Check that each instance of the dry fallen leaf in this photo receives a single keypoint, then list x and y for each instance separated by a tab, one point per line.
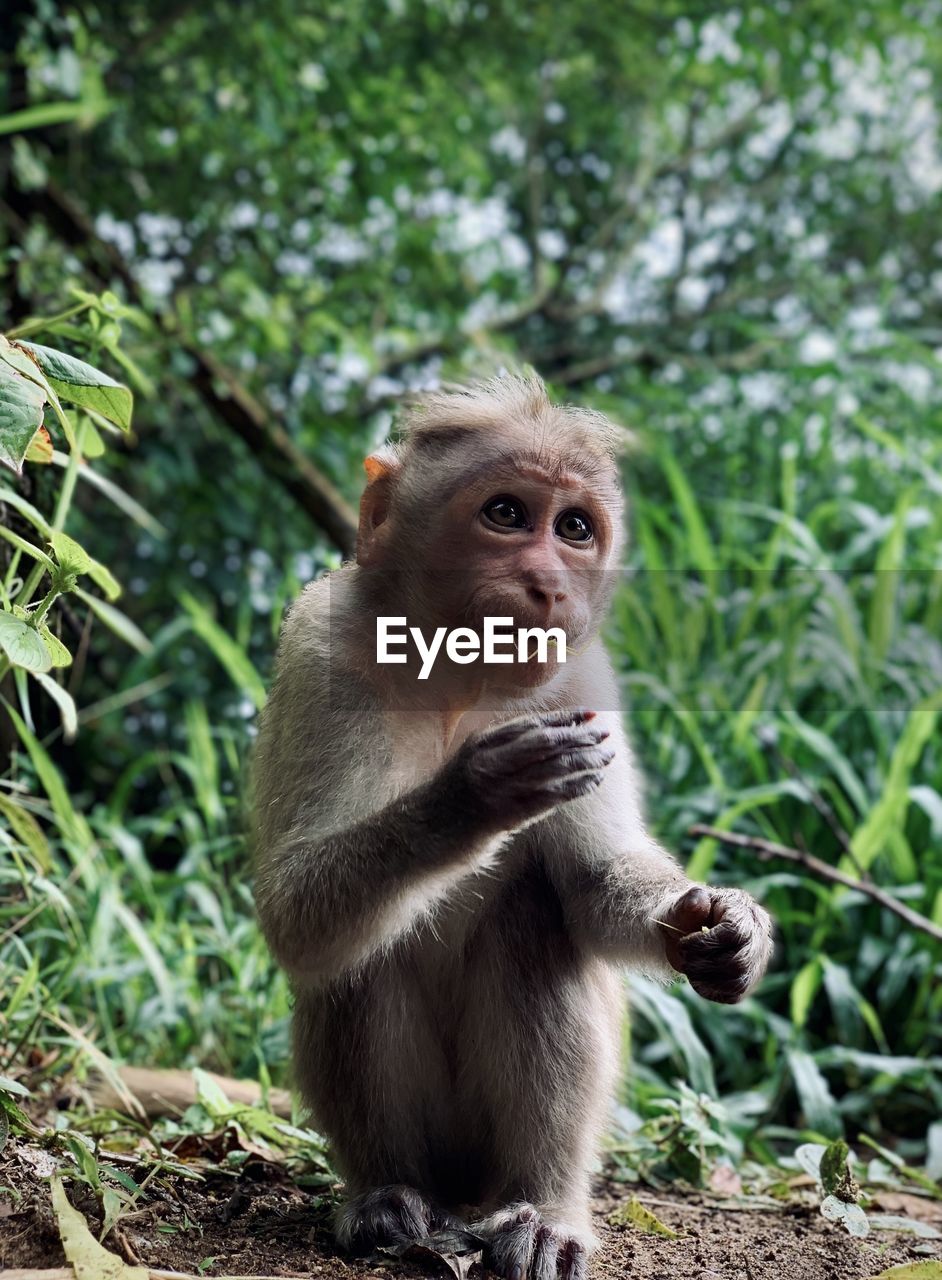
458	1252
43	1163
91	1260
920	1207
633	1213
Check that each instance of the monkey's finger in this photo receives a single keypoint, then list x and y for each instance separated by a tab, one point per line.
568	715
692	910
722	938
568	762
544	744
537	772
513	729
545	1253
572	1261
551	735
719	963
572	786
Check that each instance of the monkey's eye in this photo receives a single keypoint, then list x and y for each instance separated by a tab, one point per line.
574	526
506	512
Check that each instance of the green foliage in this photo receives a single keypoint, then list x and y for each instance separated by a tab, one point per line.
32	377
719	227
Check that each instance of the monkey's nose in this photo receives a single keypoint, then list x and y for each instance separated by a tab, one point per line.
545	597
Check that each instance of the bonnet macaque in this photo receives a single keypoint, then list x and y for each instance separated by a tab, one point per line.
451	869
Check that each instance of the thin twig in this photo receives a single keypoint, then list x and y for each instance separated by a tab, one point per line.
769	849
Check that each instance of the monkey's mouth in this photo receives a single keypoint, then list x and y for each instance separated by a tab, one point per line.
533	650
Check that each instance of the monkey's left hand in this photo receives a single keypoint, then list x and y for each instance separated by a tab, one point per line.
721	939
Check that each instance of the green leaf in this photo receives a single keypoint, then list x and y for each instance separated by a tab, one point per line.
63	699
908	1226
805	986
211	1094
84	385
20	360
116	495
113	1203
71	822
104	578
21	416
70	555
47	113
834	1166
912	1271
234	659
57	651
809	1156
851	1217
29	833
26	509
84	1158
634	1214
22	644
40	448
13	1086
116	621
817	1101
889	812
672	1019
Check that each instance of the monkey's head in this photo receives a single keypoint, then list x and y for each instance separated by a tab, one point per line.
497	503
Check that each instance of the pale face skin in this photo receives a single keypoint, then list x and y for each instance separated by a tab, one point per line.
510	539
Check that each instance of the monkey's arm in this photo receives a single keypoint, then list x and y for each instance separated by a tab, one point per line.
614	880
328	902
628	901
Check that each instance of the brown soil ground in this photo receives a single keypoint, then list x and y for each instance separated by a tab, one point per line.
265	1225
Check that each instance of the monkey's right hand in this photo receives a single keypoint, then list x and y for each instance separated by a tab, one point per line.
525	768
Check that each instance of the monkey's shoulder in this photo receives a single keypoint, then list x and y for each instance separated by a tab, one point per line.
310	620
318	640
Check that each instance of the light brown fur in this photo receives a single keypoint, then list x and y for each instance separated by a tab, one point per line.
455	960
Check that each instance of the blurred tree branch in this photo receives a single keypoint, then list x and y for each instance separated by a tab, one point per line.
767	849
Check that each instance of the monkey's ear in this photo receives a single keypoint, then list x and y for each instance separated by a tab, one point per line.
382	470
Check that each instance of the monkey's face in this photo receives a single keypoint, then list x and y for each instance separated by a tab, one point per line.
515	538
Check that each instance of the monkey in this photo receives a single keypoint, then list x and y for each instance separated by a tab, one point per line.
453	871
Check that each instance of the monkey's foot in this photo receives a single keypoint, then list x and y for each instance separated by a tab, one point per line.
523	1245
395	1215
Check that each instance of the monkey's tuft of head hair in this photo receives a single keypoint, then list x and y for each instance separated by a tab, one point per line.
508	407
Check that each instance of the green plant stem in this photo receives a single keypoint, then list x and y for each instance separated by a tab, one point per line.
44	606
38	323
64	501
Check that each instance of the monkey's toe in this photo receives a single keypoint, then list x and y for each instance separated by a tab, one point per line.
522	1246
395	1215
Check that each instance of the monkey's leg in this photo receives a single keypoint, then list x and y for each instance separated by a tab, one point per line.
368	1063
549	1079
